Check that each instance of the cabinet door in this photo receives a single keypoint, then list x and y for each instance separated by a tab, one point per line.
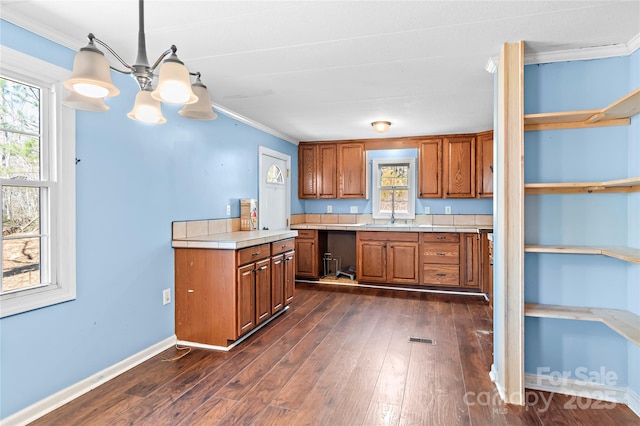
277	283
263	291
459	167
484	165
307	261
307	171
246	311
351	170
402	266
372	261
469	260
289	276
327	162
430	169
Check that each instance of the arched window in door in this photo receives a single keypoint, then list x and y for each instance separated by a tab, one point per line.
274	175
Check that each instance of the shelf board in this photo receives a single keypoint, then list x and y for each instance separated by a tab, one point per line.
631	184
616	114
623	322
627	254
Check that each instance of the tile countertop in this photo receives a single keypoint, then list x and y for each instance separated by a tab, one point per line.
393	228
233	240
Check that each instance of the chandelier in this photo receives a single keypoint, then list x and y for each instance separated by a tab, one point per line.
90	82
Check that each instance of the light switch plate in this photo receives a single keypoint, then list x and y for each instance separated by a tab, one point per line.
354	209
329	208
228	210
427	210
447	210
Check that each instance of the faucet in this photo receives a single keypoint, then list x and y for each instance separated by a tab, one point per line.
393	205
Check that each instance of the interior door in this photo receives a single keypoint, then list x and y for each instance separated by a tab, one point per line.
274	190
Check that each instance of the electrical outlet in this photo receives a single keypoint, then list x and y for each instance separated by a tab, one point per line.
354	209
329	208
166	296
447	210
228	210
427	210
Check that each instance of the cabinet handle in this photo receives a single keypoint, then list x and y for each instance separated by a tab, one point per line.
288	259
440	254
491	167
255	254
261	268
191	291
277	262
441	275
440	238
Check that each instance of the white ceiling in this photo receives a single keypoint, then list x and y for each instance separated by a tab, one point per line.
323	70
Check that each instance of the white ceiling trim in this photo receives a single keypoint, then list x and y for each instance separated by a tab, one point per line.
241	118
599	52
74	44
45	31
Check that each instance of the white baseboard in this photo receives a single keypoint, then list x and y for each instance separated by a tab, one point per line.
597	391
62	397
493	375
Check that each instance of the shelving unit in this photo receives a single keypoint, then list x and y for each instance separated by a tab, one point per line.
623	322
618	113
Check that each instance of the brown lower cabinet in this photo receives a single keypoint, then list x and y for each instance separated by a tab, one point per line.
450	260
387	257
221	295
311	245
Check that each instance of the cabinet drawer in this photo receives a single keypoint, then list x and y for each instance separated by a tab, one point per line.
448	275
306	233
441	253
440	237
251	254
282	246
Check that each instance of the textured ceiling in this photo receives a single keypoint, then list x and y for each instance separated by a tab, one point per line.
324	70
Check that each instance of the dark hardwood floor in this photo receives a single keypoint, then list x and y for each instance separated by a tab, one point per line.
339	356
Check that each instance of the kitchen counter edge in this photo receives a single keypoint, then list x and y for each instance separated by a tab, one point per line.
233	240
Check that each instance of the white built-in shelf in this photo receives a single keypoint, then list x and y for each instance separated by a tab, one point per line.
620	185
627	254
623	322
616	114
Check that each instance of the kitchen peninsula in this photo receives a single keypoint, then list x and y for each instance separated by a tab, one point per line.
229	283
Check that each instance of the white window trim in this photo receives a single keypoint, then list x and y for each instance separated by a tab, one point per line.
63	213
376	214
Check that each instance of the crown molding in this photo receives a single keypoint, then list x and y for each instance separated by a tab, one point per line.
598	52
256	125
42	30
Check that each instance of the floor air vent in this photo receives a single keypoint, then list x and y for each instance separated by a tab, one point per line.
422	340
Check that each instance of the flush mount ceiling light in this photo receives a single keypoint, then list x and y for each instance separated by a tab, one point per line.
90	82
381	126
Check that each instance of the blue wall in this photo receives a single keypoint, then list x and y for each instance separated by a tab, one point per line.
133	180
582	219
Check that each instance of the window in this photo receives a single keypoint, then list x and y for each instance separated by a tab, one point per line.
394	194
37	186
274	175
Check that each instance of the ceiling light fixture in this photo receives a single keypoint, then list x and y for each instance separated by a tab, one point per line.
90	82
381	126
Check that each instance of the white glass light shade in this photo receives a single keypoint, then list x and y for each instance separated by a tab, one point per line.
201	110
77	101
381	126
146	109
91	76
174	86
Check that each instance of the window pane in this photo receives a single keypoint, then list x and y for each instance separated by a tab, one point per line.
20	211
402	201
20	107
274	175
20	263
19	156
394	175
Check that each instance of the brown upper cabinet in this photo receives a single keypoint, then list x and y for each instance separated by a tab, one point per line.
351	170
459	167
430	168
328	170
484	164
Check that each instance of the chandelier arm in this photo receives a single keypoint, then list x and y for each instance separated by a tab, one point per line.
128	72
115	55
161	57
